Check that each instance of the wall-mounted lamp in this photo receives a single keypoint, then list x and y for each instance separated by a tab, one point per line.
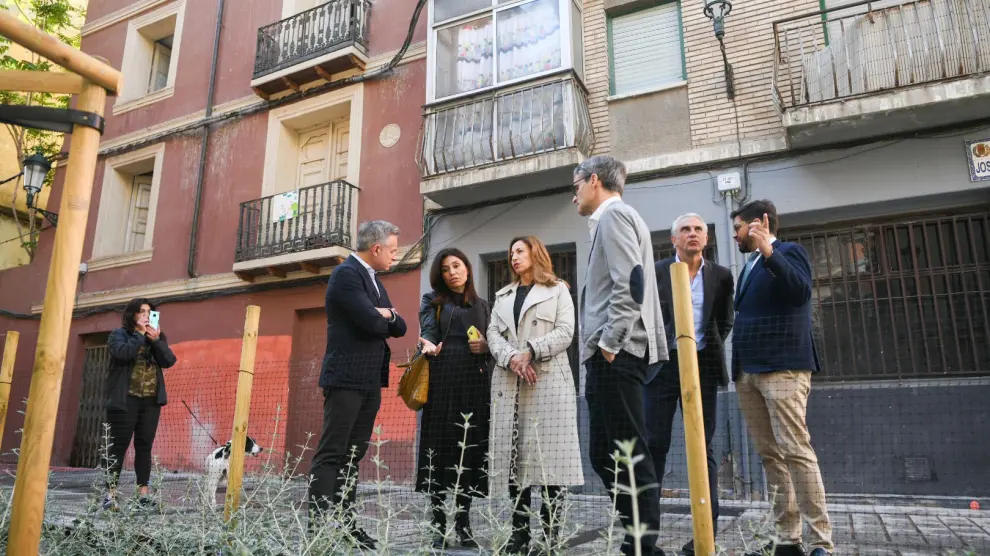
59	120
717	10
36	168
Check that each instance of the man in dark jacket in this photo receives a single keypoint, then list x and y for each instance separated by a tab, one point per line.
773	358
711	298
360	318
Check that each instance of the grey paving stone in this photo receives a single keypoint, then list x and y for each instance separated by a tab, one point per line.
868	528
902	531
936	533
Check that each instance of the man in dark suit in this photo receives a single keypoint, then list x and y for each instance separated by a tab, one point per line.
711	297
773	358
360	318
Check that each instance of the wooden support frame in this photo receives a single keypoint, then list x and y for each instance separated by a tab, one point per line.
60	53
41	82
97	79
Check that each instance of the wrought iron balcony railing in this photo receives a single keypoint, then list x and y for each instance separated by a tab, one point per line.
506	125
311	218
872	46
310	34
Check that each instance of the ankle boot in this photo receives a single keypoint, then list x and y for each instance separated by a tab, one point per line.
462	528
520	539
439	521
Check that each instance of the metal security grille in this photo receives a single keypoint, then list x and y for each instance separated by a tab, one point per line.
565	267
92	408
901	299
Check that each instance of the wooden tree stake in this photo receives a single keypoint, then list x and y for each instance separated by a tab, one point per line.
31	484
242	408
694	423
7	376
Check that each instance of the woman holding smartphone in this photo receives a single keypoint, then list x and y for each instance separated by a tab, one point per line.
135	395
459	385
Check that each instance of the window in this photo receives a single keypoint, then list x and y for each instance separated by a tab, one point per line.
901	298
125	224
151	53
479	44
647	49
137	221
160	62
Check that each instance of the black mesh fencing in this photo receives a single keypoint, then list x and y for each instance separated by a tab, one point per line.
507	460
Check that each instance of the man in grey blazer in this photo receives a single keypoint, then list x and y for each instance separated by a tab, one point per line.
622	336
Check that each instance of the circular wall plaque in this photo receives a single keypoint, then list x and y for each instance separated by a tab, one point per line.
389	135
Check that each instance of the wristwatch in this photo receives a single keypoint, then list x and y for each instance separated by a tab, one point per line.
394	315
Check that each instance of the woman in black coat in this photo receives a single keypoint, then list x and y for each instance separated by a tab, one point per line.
460	383
135	395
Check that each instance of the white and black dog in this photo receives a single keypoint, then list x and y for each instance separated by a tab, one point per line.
216	467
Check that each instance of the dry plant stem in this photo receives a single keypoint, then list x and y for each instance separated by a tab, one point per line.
630	461
379	465
614	510
460	465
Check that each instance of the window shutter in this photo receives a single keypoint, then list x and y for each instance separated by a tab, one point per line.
138	222
159	67
646	49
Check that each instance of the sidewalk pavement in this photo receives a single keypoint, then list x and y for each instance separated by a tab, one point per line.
860	529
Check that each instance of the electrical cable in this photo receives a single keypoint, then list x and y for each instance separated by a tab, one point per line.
12	178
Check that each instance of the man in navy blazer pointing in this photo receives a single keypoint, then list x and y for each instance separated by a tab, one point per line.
773	358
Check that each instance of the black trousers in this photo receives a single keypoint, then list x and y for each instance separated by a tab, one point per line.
140	421
662	398
462	512
615	403
348	421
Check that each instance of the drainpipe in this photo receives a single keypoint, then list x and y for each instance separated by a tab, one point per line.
736	419
201	167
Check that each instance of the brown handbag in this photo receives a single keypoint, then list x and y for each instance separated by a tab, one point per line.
414	386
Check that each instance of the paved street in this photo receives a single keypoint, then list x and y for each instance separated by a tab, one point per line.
861	529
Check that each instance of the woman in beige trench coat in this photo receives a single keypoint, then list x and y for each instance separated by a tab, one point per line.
534	431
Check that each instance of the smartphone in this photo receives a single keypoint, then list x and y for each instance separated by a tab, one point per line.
153	319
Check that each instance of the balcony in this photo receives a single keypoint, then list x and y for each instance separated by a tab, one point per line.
305	230
311	45
879	68
505	143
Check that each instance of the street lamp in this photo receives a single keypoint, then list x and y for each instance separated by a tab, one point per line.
36	168
717	10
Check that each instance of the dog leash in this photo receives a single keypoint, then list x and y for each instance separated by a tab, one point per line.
200	423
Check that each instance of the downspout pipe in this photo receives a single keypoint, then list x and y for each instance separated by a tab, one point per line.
201	166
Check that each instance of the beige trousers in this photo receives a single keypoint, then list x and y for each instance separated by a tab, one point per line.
774	406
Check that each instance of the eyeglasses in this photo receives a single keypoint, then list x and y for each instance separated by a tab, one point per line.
577	185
